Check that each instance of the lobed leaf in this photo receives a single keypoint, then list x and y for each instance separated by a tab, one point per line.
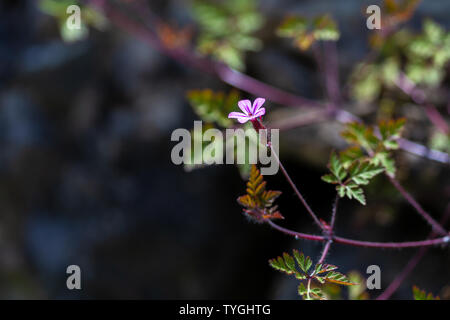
422	295
339	278
258	201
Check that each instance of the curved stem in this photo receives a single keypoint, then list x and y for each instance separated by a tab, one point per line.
333	212
392	245
294	187
325	250
358	243
435	225
412	263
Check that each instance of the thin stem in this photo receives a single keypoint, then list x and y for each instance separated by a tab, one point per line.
259	125
325	250
422	151
297	235
327	246
358	243
412	263
392	245
395	284
333	212
294	187
435	225
332	74
309	288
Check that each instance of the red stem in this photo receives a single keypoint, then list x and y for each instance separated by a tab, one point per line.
358	243
412	263
257	124
435	225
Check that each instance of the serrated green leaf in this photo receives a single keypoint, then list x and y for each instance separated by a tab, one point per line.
301	289
330	178
289	261
362	172
316	293
352	191
336	167
339	278
422	295
383	158
350	155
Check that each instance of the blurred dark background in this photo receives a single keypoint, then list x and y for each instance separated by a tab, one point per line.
86	176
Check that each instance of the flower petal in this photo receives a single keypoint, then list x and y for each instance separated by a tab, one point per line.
246	106
237	115
243	120
241	117
257	104
260	112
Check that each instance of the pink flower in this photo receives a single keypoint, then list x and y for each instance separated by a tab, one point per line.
250	112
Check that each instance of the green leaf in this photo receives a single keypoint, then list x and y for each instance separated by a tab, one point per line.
287	265
391	129
317	294
433	32
325	28
359	134
308	264
330	178
290	263
339	278
213	106
321	268
305	31
422	295
384	159
349	155
352	191
366	85
227	29
301	289
361	172
336	167
390	71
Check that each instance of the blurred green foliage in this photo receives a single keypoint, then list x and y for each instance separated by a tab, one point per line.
422	295
213	107
440	141
227	29
421	57
305	31
428	53
89	17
